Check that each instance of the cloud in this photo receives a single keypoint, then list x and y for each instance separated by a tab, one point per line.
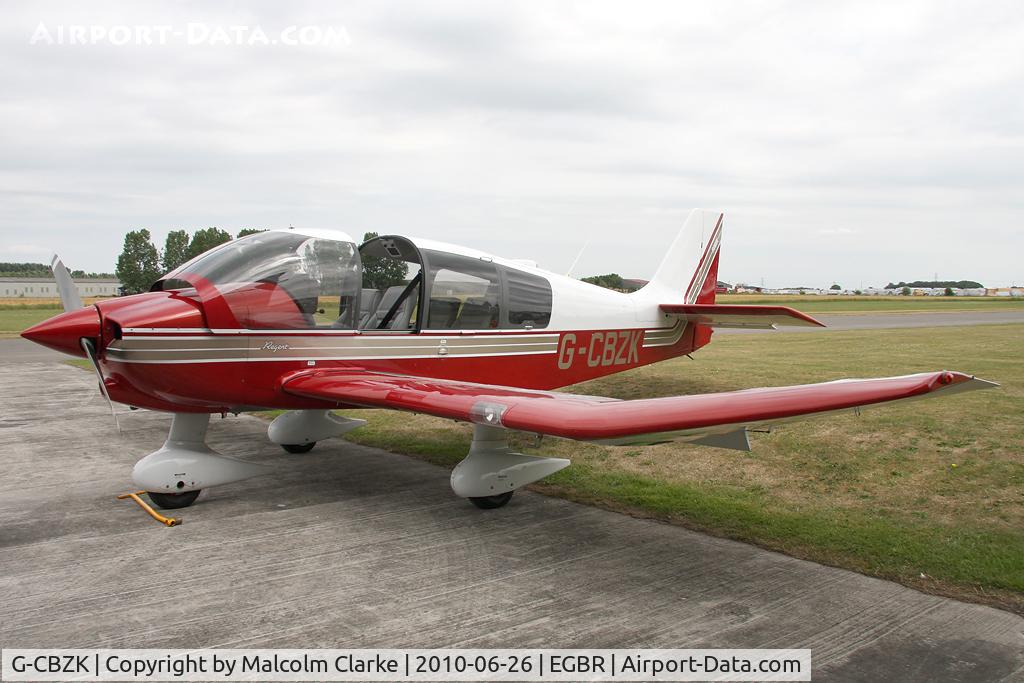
527	129
32	251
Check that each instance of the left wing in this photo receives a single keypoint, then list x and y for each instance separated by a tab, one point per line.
720	419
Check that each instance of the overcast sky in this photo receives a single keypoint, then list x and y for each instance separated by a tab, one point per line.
859	143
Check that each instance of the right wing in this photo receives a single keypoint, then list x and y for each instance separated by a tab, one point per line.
720	419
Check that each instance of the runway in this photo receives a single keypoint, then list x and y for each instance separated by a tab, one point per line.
23	351
355	547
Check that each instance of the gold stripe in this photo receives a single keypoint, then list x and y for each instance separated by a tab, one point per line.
672	336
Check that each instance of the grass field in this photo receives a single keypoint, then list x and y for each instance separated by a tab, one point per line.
14	320
930	494
17	314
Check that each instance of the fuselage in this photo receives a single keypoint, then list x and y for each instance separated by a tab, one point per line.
199	345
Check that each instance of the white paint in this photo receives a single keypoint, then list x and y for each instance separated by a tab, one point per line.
185	459
309	426
492	468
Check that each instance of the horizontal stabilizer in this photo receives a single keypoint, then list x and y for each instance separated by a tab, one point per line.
739	316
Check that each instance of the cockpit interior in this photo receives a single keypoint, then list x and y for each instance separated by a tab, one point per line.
291	280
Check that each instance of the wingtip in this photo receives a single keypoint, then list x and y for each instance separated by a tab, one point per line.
984	383
811	321
964	382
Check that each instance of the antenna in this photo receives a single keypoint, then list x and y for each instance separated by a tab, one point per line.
577	259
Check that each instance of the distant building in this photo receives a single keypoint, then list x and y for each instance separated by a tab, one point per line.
747	289
795	291
1005	291
46	288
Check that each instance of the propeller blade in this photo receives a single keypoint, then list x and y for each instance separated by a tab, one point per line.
69	297
90	352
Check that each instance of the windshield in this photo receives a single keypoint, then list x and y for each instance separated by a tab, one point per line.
277	280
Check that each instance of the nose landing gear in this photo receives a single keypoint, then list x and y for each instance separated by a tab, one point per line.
174	475
173	501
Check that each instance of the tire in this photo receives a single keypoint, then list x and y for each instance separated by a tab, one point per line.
492	502
298	447
173	501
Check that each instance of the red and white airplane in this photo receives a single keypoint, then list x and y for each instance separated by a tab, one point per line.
306	321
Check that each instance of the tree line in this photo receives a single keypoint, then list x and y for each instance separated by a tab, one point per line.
609	281
141	263
41	270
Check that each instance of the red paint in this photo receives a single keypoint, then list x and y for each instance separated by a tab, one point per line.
218	387
64	332
591	418
705	256
167	310
710	286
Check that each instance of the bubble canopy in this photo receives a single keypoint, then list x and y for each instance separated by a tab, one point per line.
280	279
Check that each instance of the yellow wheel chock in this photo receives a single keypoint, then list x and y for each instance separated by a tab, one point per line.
167	521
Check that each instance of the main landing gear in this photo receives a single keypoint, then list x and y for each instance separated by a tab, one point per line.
297	431
492	502
298	447
492	472
174	475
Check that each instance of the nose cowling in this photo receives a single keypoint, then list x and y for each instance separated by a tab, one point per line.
64	332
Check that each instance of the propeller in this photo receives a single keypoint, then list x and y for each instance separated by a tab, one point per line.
71	301
90	351
69	297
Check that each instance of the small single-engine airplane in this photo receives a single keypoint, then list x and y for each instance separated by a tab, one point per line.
431	328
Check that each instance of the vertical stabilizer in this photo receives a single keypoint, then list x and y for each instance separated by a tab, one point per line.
689	272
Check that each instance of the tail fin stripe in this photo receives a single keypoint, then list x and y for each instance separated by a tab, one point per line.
705	263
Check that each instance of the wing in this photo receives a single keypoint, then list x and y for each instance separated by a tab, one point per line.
721	419
732	315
